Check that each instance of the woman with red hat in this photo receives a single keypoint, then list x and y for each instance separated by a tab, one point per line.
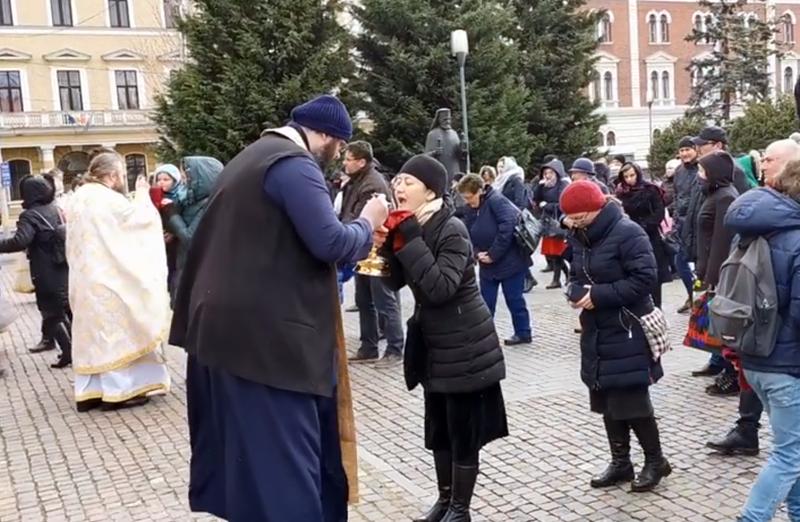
611	277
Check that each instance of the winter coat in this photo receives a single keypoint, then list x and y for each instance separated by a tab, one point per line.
644	204
614	256
359	190
668	186
550	213
687	225
463	351
38	234
511	182
765	212
684	181
182	220
714	239
491	229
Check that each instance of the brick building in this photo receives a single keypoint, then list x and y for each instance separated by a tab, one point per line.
643	77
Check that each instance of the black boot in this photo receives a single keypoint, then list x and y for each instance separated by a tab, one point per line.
621	468
65	343
656	466
44	345
741	440
463	485
444	479
556	275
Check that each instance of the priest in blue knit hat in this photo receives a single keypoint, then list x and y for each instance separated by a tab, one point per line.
257	310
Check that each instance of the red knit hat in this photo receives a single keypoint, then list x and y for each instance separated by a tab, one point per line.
582	196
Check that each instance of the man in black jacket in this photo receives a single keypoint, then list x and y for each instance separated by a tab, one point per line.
715	138
377	304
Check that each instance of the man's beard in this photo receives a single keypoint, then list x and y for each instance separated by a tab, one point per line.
327	154
119	185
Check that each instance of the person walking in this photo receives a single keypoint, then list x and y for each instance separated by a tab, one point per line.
452	347
611	277
545	197
502	262
644	203
257	311
774	213
41	233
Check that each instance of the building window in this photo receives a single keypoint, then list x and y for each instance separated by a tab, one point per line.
596	88
788	80
654	85
611	139
127	90
69	90
787	28
19	169
664	28
135	166
62	13
10	92
608	87
171	13
600	138
665	85
656	133
5	13
604	28
698	22
652	24
118	10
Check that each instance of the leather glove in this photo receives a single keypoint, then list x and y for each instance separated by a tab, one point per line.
410	229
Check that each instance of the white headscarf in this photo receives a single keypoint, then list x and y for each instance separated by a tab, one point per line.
510	170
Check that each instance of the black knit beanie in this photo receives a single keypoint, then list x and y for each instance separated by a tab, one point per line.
429	171
686	142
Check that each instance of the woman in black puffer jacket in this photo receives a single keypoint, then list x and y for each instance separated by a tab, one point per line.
644	204
611	278
452	348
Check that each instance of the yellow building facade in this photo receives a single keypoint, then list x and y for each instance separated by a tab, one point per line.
79	74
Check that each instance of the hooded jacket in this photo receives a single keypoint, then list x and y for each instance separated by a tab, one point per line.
713	238
184	218
511	183
551	211
765	212
38	228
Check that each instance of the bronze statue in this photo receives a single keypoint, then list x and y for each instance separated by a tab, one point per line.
444	144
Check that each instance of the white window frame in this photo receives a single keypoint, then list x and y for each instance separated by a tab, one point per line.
131	21
23	82
605	137
610	16
14	17
85	98
659	34
660	63
73	9
794	77
144	103
164	14
788	14
607	63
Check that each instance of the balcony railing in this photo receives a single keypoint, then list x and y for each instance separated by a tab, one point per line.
73	119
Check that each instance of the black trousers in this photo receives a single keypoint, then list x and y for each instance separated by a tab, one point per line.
56	319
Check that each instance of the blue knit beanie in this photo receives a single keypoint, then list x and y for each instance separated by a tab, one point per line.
326	114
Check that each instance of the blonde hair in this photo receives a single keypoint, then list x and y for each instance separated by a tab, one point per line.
788	181
104	165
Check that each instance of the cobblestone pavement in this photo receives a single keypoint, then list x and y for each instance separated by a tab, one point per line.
132	465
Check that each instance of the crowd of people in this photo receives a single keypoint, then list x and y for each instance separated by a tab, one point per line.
185	258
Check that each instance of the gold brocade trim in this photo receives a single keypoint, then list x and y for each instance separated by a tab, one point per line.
121	398
119	363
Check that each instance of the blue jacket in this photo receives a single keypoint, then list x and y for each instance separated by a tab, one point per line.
516	192
760	212
491	229
613	255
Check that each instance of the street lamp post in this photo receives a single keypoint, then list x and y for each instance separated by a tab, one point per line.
650	117
459	46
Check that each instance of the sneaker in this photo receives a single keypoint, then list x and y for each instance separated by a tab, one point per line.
391	359
686	308
43	346
364	357
516	340
725	385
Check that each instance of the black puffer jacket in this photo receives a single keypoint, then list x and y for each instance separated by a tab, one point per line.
614	256
713	238
463	350
37	229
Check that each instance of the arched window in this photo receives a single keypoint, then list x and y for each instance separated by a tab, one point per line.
19	169
787	28
611	139
698	22
709	24
608	86
664	28
652	25
600	142
654	85
788	80
604	28
665	90
135	166
596	89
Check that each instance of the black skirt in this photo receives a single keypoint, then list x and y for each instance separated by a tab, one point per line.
622	404
463	423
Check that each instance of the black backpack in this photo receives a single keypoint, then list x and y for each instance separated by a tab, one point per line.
58	246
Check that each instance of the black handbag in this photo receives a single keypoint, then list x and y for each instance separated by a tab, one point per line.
416	354
528	232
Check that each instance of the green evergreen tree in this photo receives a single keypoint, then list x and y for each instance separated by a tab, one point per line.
406	73
558	39
665	145
250	63
762	123
735	70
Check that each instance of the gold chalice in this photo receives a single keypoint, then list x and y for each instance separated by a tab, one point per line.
374	265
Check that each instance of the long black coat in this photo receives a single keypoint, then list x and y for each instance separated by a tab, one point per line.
713	238
614	256
463	350
37	234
